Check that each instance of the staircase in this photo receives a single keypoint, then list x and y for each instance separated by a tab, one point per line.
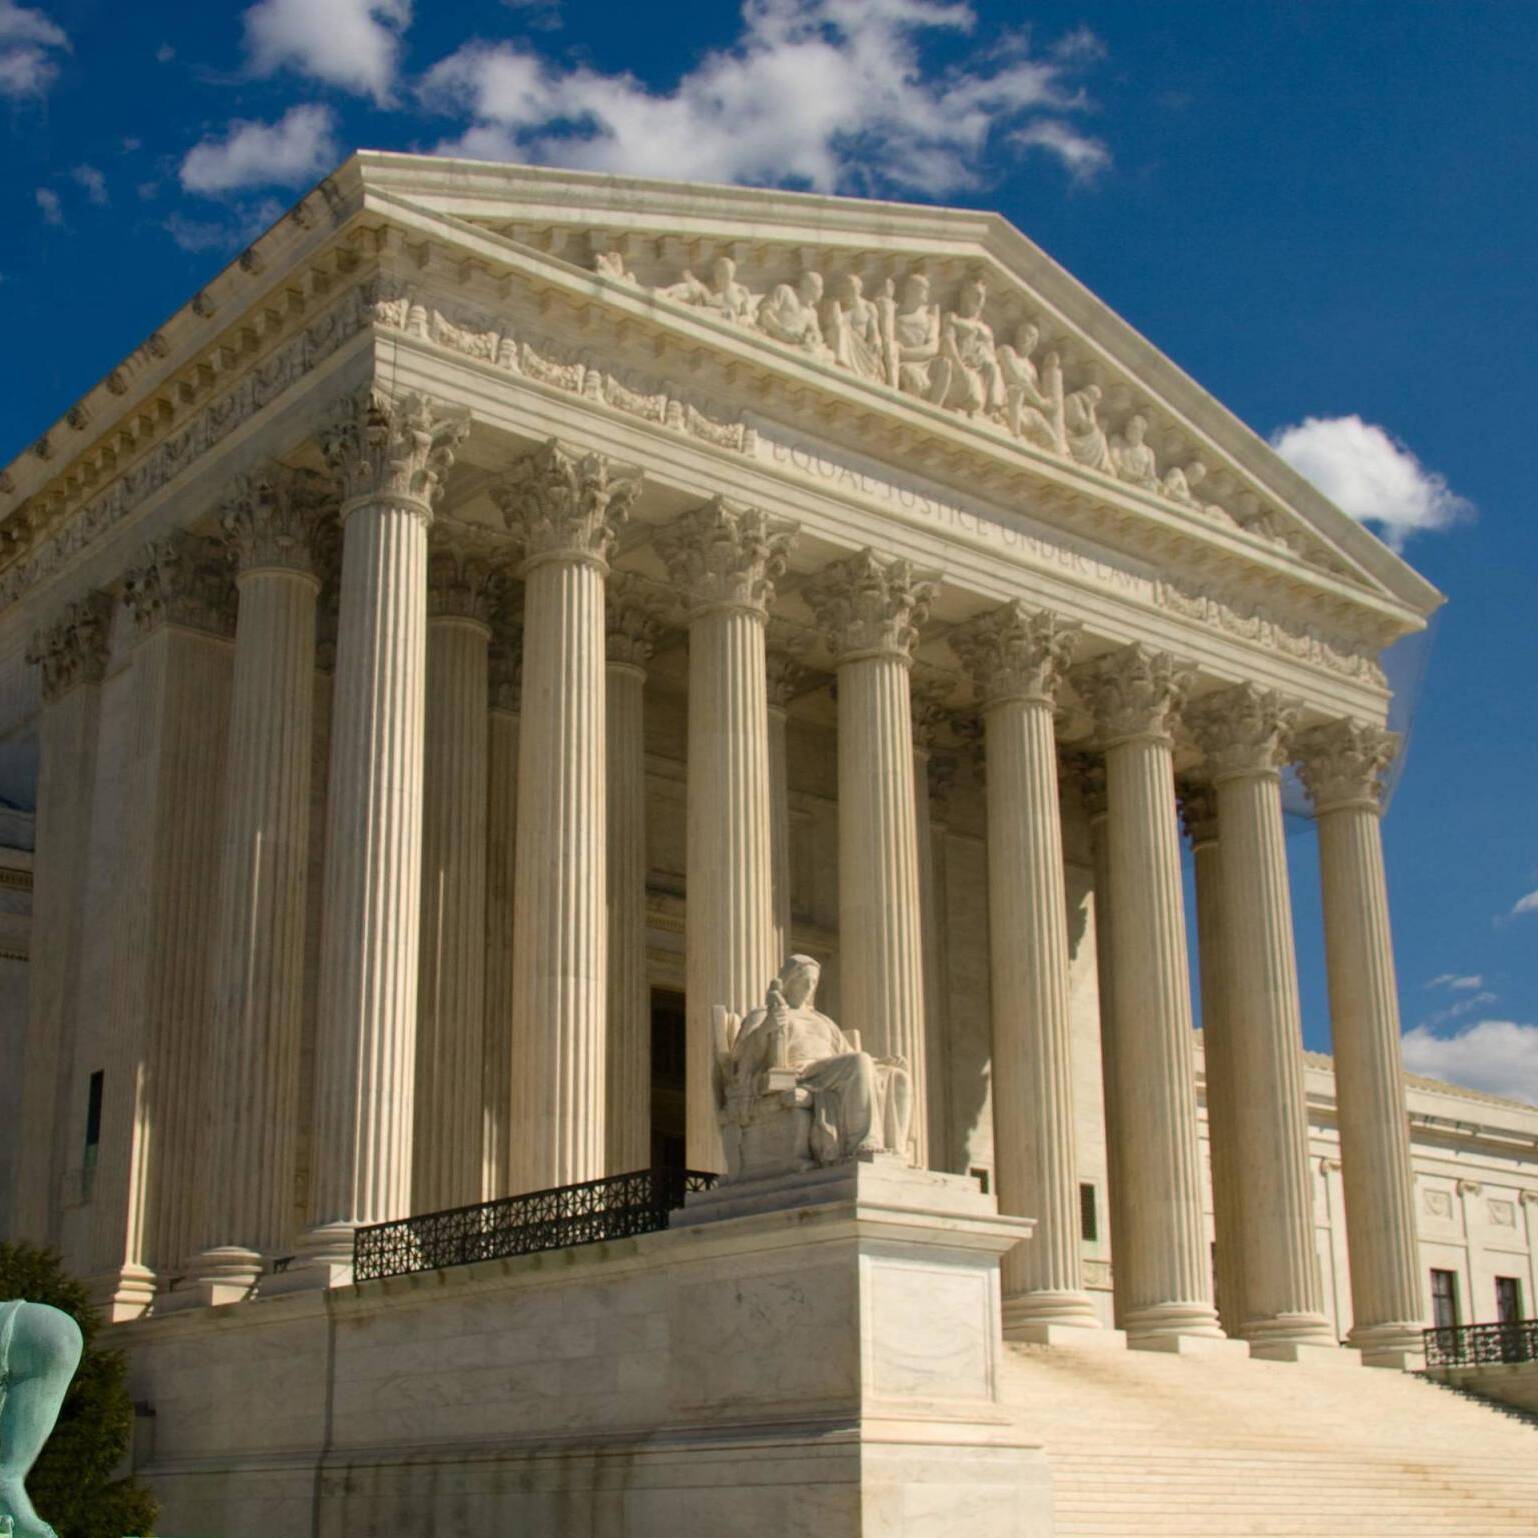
1144	1445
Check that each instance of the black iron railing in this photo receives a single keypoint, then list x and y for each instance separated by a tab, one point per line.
613	1208
1473	1345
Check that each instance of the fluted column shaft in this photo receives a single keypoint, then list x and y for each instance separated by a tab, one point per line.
71	655
628	1096
501	878
726	559
451	1018
930	840
258	993
1016	658
145	1196
1222	1110
566	509
870	610
390	456
560	941
779	825
1112	1092
1161	1253
1341	765
1243	731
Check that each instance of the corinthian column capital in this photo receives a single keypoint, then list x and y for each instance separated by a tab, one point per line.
73	649
462	584
1243	730
184	579
380	445
1134	692
1343	762
276	518
1016	653
563	504
870	607
632	620
726	556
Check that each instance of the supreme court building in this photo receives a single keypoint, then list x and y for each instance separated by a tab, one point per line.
493	624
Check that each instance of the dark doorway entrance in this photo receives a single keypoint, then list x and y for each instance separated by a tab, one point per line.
669	1076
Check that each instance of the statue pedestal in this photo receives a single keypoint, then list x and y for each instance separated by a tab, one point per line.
808	1353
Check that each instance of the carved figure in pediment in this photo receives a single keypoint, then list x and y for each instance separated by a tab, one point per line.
853	328
723	294
1033	399
792	1090
611	264
1131	456
914	360
789	314
1087	442
967	343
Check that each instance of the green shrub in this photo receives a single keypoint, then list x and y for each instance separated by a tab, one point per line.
72	1483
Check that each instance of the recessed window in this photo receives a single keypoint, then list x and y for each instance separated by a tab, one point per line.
1444	1299
1508	1299
1089	1216
93	1118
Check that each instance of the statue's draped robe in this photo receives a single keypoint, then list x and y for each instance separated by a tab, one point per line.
857	1102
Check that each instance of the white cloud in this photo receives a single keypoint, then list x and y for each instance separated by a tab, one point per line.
299	146
354	44
29	47
1370	475
1528	904
1499	1057
826	94
164	54
94	183
1455	980
48	201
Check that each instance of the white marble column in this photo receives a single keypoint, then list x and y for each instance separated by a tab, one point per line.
277	522
1016	658
1092	792
505	671
785	674
631	636
931	712
71	657
146	1194
565	507
390	456
870	610
1162	1271
1199	813
1342	764
1243	732
446	1159
725	560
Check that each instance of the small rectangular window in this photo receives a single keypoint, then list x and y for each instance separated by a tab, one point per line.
1508	1299
980	1175
1444	1299
1089	1218
93	1118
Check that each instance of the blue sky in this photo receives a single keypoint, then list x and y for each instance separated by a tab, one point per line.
1326	213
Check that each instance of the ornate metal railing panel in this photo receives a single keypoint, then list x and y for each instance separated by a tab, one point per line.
615	1207
1473	1345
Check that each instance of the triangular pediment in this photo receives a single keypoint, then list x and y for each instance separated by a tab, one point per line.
953	312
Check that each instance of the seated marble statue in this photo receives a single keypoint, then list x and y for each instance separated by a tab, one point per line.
39	1351
788	1057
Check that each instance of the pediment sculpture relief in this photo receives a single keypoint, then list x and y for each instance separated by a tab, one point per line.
949	356
793	1091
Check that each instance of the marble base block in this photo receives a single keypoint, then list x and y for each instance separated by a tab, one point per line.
1305	1352
813	1353
1189	1345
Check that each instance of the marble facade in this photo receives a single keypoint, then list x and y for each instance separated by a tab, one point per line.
502	595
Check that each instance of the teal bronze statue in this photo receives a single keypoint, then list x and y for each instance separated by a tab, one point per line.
39	1351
